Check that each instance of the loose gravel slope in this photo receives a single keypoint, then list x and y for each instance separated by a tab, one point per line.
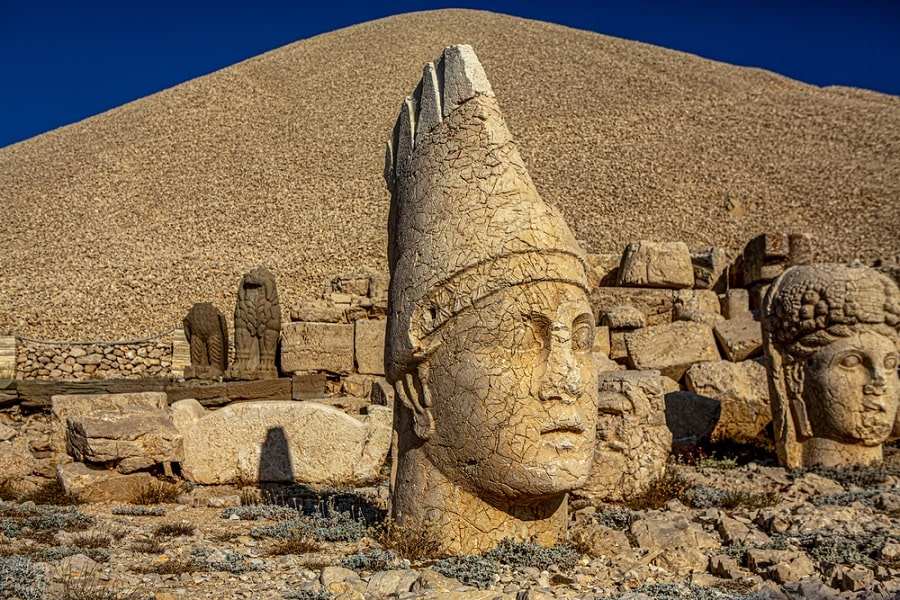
115	225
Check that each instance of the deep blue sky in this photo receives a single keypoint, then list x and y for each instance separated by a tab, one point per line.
62	62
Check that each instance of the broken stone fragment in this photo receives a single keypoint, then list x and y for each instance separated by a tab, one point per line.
369	346
709	268
671	349
740	338
100	485
780	566
74	405
656	304
623	317
742	391
129	441
656	265
678	544
317	311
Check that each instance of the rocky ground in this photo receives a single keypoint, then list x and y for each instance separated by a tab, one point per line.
719	528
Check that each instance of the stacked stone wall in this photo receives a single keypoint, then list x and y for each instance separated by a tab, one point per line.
80	361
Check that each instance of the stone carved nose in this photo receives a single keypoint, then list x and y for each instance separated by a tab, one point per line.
878	386
562	377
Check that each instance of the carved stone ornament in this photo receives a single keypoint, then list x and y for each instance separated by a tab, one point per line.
489	331
257	325
831	340
207	333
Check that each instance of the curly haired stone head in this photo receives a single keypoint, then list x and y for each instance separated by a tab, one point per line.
813	305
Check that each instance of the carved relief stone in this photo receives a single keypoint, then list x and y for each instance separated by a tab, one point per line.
207	333
490	329
257	325
831	337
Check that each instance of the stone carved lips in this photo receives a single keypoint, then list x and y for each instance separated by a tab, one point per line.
564	432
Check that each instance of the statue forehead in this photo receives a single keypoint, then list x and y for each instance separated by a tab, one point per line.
550	298
865	340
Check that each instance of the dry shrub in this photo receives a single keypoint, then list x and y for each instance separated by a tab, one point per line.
169	530
408	542
151	546
91	540
174	566
157	492
224	536
50	493
89	586
670	486
295	545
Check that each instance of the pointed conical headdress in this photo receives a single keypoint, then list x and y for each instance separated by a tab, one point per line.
466	220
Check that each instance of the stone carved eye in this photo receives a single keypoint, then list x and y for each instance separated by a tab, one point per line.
851	361
583	337
890	361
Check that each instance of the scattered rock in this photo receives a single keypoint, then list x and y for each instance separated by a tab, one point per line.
100	485
742	391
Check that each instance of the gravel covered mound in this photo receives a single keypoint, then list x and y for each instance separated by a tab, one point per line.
114	226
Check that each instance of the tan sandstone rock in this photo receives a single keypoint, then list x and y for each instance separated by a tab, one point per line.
633	442
369	346
656	264
130	441
740	338
100	485
304	442
75	405
742	392
672	348
317	347
673	542
656	304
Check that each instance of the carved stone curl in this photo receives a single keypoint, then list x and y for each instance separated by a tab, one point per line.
489	331
257	325
207	333
831	337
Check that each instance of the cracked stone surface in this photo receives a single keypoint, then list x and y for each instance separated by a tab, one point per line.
490	330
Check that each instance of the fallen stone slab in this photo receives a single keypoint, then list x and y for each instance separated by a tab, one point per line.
709	267
671	349
656	304
317	347
369	346
128	440
304	442
101	485
656	264
742	391
75	405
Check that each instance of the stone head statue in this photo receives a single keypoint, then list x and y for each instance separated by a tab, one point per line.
489	331
831	338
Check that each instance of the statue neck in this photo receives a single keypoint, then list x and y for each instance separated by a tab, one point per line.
819	451
462	520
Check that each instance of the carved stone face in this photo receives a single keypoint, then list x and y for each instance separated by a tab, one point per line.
851	389
515	392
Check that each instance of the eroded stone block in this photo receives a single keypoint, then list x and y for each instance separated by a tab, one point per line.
128	441
671	348
656	264
101	485
370	346
739	338
656	304
317	347
742	391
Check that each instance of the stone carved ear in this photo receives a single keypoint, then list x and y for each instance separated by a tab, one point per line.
412	390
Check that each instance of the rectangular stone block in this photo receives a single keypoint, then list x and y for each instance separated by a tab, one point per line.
370	346
656	304
7	357
317	347
709	268
766	256
181	352
305	386
671	348
740	338
736	303
656	265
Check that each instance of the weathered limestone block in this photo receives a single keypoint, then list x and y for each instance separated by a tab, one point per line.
672	348
64	406
623	317
691	417
742	391
490	330
305	386
831	338
181	353
709	268
656	264
317	347
185	413
7	357
318	311
207	333
16	459
100	485
656	304
601	341
257	324
304	442
633	442
766	256
736	304
129	441
678	544
369	346
739	338
604	269
700	306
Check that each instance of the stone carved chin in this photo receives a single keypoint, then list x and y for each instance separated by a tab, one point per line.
513	394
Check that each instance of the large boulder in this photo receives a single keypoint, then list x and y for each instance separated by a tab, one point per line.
633	442
742	391
304	442
672	348
656	264
128	440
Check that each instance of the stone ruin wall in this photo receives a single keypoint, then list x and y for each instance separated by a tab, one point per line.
81	361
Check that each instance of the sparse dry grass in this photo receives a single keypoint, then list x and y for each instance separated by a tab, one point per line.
148	546
670	486
91	540
407	542
170	530
50	493
158	492
170	566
